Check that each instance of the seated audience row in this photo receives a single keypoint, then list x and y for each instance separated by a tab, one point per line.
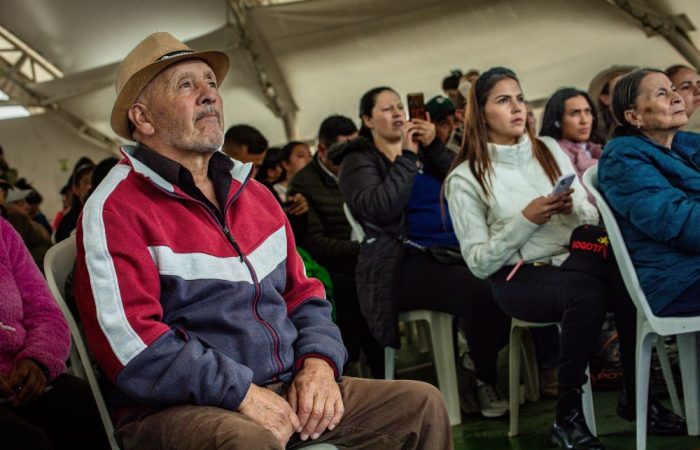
514	230
194	300
391	180
502	245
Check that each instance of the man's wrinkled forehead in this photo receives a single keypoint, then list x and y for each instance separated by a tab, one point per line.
170	73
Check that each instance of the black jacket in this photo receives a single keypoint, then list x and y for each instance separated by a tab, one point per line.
327	230
377	192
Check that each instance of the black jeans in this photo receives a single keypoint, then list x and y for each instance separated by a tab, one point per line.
426	283
579	302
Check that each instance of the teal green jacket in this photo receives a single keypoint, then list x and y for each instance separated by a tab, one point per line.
654	193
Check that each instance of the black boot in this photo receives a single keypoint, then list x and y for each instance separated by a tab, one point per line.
660	420
570	430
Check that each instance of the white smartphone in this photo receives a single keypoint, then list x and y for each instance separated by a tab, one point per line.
563	183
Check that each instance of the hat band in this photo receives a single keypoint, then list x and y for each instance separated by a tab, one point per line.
174	54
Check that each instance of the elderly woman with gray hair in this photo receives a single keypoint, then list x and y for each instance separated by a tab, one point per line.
650	175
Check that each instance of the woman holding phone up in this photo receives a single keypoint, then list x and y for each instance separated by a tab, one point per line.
391	179
514	232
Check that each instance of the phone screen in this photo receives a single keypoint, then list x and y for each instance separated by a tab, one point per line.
416	106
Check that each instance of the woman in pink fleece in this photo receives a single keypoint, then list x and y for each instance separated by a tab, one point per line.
570	118
40	406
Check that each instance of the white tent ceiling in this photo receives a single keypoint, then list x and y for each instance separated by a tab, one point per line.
331	51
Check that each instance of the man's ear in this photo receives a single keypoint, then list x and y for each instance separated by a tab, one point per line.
141	119
633	118
605	99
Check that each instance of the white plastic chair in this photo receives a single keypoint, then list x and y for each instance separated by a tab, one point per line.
650	327
440	326
515	352
58	263
441	336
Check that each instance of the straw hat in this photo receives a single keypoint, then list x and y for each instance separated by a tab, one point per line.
599	81
144	62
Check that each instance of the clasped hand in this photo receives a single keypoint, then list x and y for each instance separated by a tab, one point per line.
313	404
25	382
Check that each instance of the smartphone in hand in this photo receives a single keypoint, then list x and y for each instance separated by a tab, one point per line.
416	106
563	183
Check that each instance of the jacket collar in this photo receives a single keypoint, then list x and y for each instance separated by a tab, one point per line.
240	172
516	155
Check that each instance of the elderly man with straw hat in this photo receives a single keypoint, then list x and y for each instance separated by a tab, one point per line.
194	300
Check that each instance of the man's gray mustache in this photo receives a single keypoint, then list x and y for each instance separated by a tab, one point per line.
207	112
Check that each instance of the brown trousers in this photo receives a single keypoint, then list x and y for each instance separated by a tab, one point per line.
379	414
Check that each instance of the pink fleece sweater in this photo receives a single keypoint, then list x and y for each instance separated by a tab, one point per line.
31	324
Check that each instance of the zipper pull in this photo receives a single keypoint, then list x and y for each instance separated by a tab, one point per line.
234	243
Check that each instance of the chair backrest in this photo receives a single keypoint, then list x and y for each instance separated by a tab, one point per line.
358	234
58	263
661	325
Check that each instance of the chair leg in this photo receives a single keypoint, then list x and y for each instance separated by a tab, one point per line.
514	379
644	344
687	351
389	363
531	376
443	352
588	411
668	375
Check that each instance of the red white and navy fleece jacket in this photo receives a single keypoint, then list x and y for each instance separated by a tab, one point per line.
179	309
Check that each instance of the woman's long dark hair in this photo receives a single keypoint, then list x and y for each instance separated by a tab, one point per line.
475	145
556	107
367	102
625	98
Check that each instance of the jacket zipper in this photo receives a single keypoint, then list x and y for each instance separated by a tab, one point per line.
244	259
256	299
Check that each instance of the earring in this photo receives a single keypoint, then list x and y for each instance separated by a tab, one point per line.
556	124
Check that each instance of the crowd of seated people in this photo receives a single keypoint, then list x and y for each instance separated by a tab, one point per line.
459	216
380	176
391	180
514	231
